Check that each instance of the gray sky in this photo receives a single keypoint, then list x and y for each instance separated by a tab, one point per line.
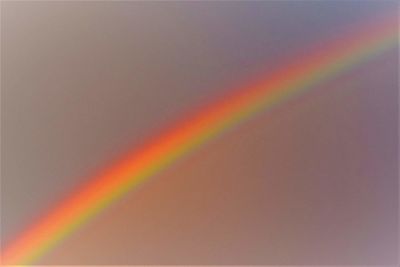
82	82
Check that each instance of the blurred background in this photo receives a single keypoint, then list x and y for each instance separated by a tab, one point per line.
313	182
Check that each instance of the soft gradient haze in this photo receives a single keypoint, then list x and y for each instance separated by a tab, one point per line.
311	182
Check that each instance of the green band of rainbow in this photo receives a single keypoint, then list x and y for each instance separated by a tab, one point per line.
165	149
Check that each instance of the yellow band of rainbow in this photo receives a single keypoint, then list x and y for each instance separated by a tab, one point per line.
341	54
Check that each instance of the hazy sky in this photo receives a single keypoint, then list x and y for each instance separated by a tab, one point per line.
312	182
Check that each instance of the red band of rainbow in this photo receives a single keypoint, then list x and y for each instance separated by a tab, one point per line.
183	138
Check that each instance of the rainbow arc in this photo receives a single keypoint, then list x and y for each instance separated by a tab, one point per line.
160	152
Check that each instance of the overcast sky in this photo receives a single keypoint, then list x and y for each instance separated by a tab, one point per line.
313	182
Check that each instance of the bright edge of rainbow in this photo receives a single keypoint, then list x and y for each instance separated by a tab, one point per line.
165	149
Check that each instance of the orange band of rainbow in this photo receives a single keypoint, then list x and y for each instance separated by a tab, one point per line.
183	138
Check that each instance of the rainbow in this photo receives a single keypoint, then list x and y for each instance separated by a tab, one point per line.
293	79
